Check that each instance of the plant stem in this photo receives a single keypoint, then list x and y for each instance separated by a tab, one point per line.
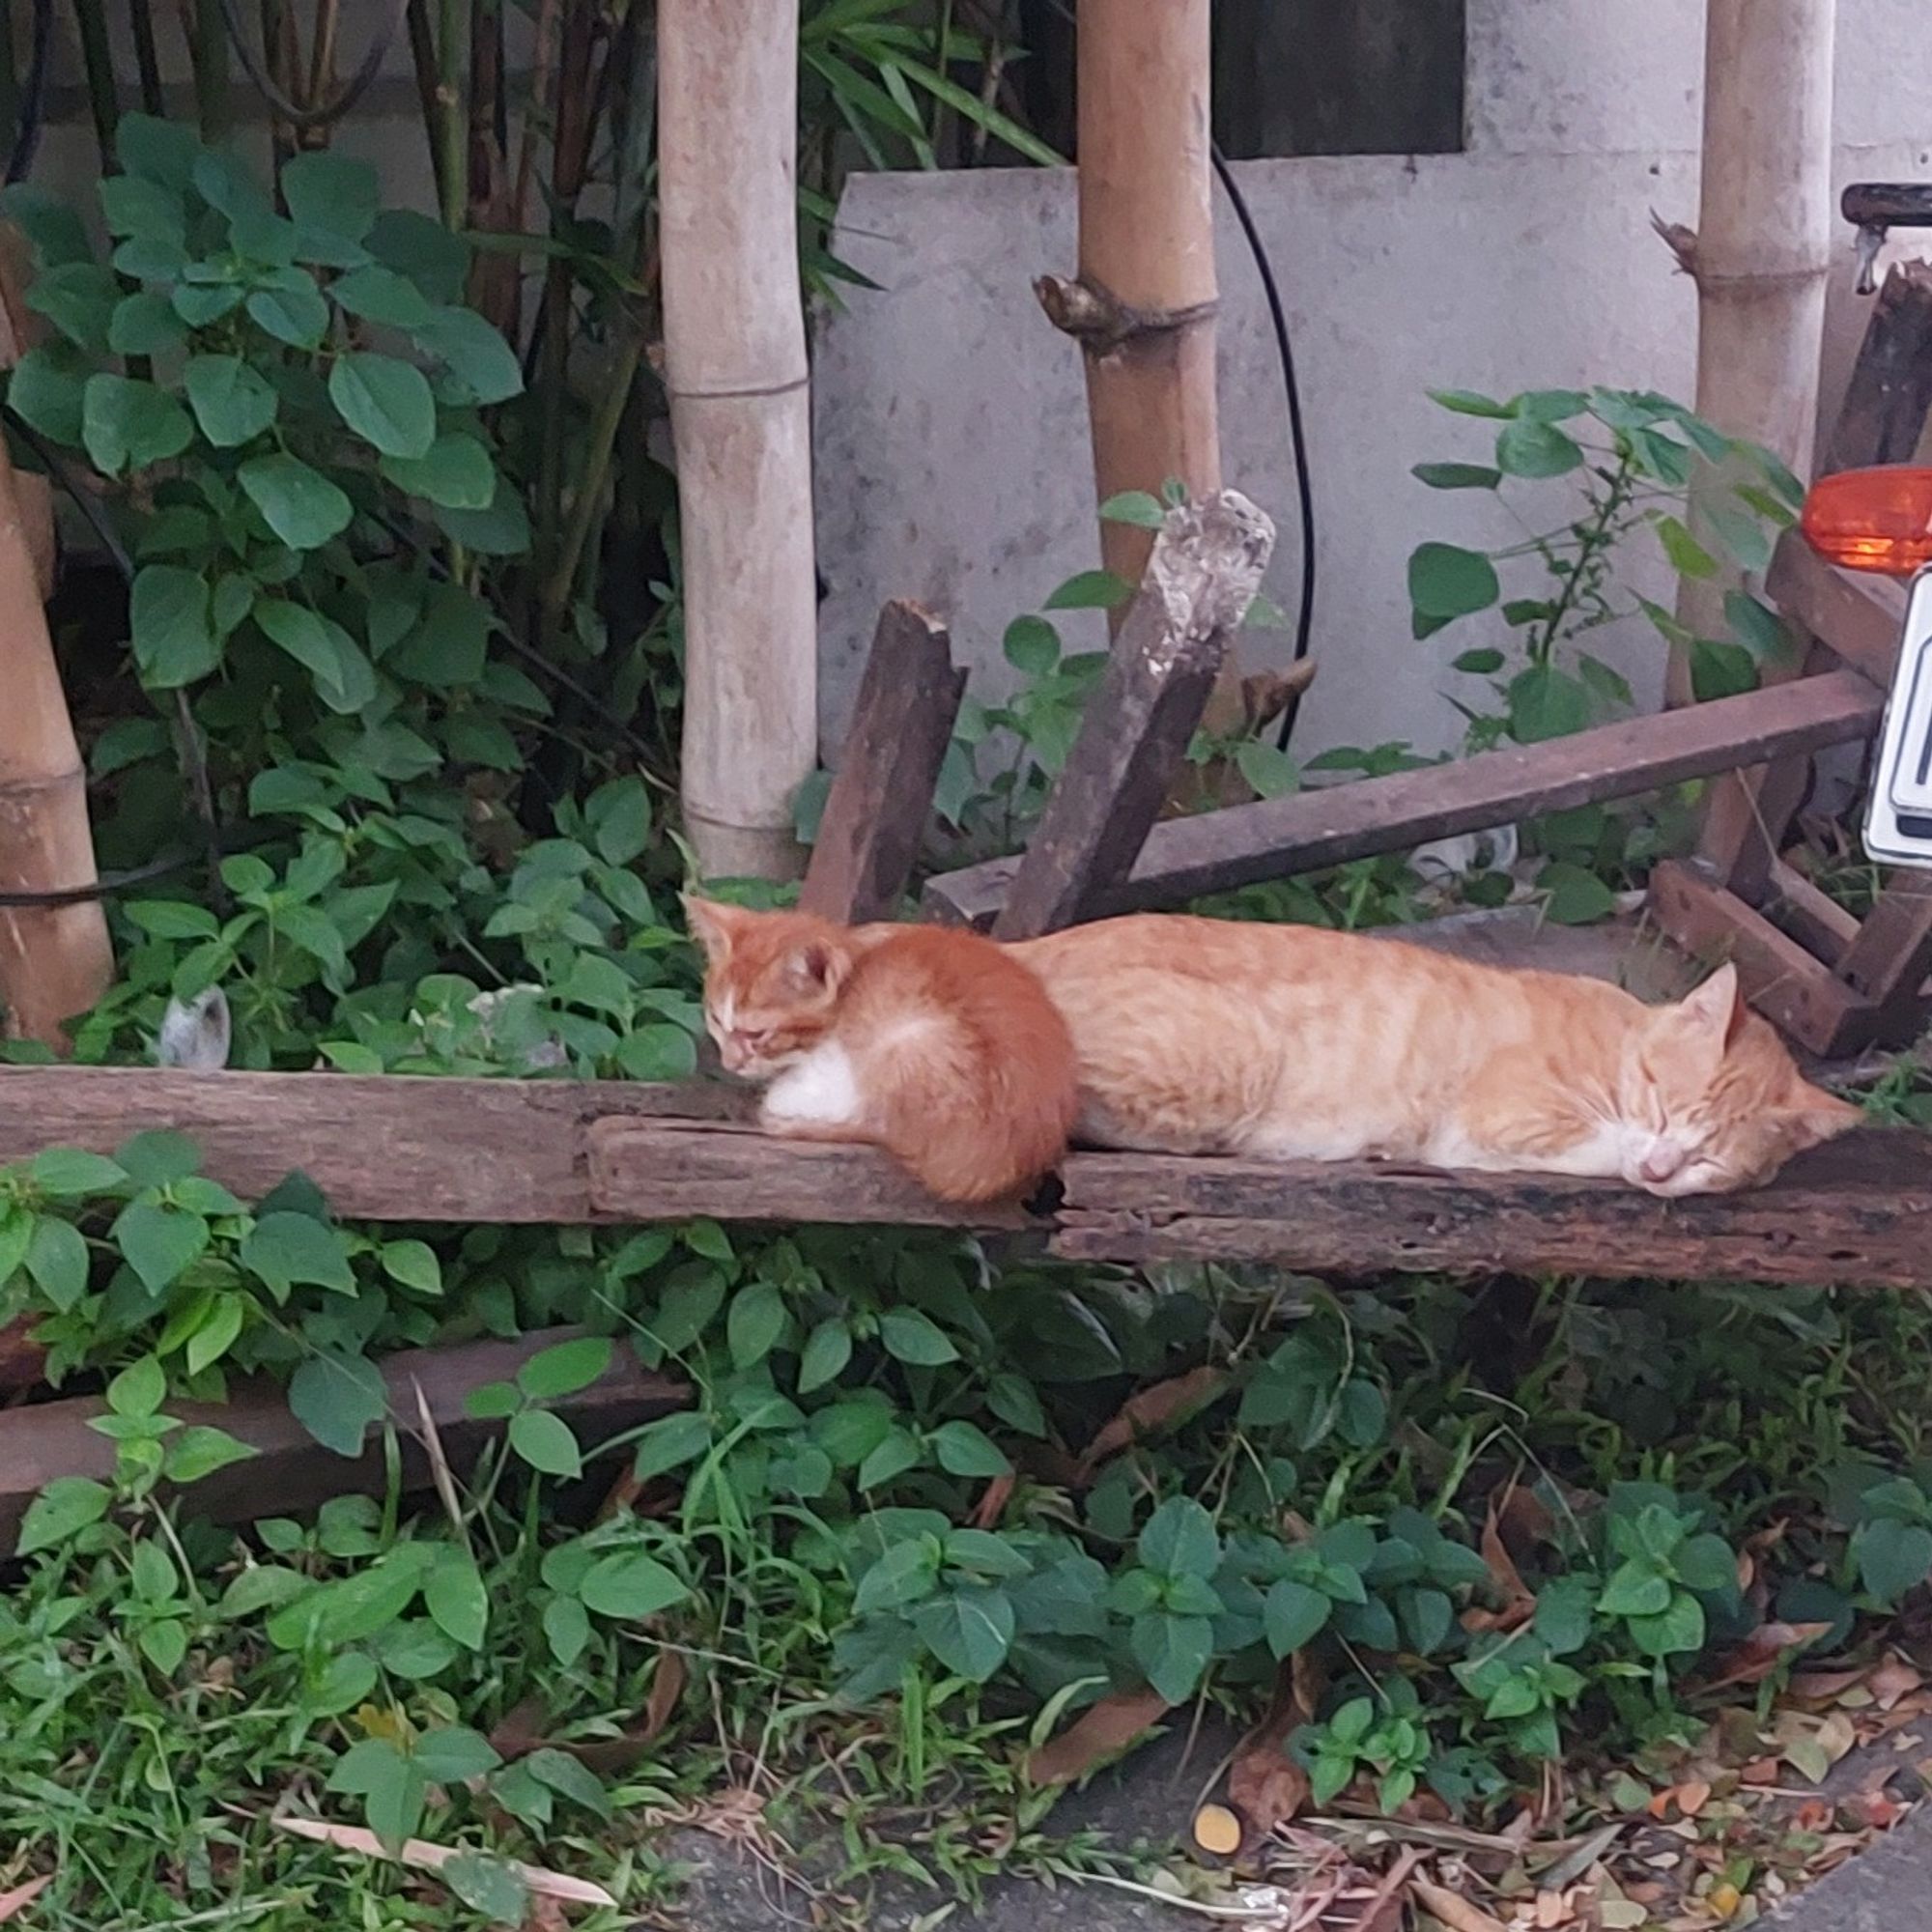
98	62
207	51
1592	537
589	496
452	135
147	61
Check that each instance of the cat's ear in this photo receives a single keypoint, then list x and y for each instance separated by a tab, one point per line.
1819	1116
817	967
713	924
1704	1023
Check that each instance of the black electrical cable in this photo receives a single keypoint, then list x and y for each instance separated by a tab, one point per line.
34	96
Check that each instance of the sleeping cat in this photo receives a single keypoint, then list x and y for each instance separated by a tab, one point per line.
932	1044
1200	1035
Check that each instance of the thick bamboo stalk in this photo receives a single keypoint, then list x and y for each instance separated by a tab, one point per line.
1144	307
1761	255
55	961
736	373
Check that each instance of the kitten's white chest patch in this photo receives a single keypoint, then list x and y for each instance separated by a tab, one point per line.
821	1090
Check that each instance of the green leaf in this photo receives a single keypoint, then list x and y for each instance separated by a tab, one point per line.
1546	702
57	1259
332	193
145	325
569	1779
168	620
1720	669
670	1443
291	310
1479	662
1032	646
412	1264
337	1398
1551	404
67	1505
1091	590
1468	402
898	1451
1636	1590
51	225
629	1586
199	305
1528	447
906	1574
1292	1616
565	1368
1705	1563
452	1754
969	1631
456	1599
1576	896
67	1174
1447	581
127	424
157	150
1688	556
287	1250
1758	627
546	1443
215	1335
1137	507
503	530
159	1241
754	1322
138	1390
1361	1413
1674	1630
1173	1652
386	402
1428	1620
1892	1558
1180	1539
1269	770
910	1336
46	392
344	680
159	1158
826	1354
1456	476
456	472
485	1884
79	299
482	367
380	295
299	504
231	402
966	1450
566	1627
199	1452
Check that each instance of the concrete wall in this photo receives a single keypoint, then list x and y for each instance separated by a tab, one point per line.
953	457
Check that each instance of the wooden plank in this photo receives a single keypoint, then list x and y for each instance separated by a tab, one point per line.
1277	838
381	1147
1856	617
881	797
1819	923
1891	390
291	1472
1888	962
1202	577
1850	1214
1785	982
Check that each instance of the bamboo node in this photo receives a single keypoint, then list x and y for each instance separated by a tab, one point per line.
1102	323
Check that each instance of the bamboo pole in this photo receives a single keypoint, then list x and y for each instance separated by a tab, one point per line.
736	373
1761	254
55	961
1143	305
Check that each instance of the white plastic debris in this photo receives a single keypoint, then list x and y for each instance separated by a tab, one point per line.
195	1034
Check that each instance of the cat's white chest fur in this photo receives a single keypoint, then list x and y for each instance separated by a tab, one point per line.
821	1091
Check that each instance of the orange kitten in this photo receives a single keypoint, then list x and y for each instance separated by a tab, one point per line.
932	1044
1200	1035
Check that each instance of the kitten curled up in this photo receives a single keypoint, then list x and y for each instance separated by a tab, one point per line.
1210	1037
932	1044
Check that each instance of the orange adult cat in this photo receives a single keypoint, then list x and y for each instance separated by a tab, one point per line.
1200	1035
932	1044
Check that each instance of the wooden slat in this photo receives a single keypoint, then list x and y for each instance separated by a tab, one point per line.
1818	923
1278	838
385	1147
881	798
1850	1214
1856	617
1203	575
291	1472
1797	993
1888	962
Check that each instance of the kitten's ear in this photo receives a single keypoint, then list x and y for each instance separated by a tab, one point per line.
1820	1117
818	966
1704	1023
713	924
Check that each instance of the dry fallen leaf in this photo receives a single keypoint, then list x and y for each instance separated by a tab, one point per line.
992	1503
1101	1732
1266	1786
13	1903
544	1884
1453	1909
1724	1901
1519	1599
1152	1408
1761	1653
1893	1680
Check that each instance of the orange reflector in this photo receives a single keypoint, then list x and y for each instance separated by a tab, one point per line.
1877	520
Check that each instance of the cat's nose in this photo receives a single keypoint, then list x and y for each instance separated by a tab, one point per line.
1660	1164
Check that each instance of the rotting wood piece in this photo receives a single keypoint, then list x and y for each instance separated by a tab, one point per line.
1307	831
1850	1214
1204	573
881	798
380	1146
291	1472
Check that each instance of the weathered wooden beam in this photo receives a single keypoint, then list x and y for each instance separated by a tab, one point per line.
380	1146
1244	844
881	796
1850	1214
1855	617
1204	573
291	1472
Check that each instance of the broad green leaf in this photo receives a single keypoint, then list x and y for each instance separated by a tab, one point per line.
456	473
1676	1630
1529	447
1180	1539
332	192
910	1336
566	1627
386	402
1292	1614
198	304
67	1174
231	402
826	1354
145	325
1468	402
380	295
52	225
1173	1652
288	1250
48	391
1091	590
159	1158
61	1511
1635	1590
1137	507
486	1884
169	626
299	504
1551	406
159	1241
631	1586
344	680
503	530
546	1442
1032	646
214	1336
1720	669
412	1264
126	424
1427	1619
292	310
200	1452
1447	581
569	1779
907	1573
157	150
1686	555
456	1599
898	1451
756	1321
337	1398
1892	1558
565	1368
1547	702
1758	627
1456	476
1268	768
1479	662
1576	896
57	1259
670	1443
452	1754
79	299
482	368
964	1449
969	1631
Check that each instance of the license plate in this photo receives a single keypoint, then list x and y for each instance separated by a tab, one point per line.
1898	820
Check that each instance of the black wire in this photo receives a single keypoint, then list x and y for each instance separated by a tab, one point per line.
34	96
